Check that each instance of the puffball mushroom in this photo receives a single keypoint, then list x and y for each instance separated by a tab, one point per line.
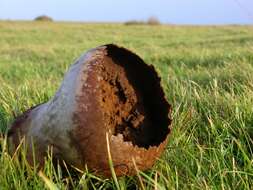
108	91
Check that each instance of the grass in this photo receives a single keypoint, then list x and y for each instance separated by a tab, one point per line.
207	75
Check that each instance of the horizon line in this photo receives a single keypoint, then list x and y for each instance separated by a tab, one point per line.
123	22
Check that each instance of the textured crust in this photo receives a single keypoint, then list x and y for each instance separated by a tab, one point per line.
73	122
91	131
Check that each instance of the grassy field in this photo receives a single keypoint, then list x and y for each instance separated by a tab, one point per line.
207	73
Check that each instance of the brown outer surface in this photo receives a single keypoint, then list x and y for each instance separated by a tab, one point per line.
85	139
90	132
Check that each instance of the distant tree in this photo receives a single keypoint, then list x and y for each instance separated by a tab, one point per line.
153	21
43	18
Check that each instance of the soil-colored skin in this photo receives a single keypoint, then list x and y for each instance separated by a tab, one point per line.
126	103
113	91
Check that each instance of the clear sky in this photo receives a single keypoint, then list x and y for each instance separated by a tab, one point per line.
167	11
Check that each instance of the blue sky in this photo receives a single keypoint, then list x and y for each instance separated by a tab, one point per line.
167	11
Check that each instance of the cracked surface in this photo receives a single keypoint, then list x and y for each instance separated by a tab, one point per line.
108	89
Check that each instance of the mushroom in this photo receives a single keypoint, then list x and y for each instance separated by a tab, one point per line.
109	91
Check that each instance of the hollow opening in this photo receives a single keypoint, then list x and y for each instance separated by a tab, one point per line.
132	99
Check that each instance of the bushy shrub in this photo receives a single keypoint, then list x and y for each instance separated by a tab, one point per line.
43	18
153	21
150	21
135	22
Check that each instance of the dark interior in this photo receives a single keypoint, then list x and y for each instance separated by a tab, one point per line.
132	99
